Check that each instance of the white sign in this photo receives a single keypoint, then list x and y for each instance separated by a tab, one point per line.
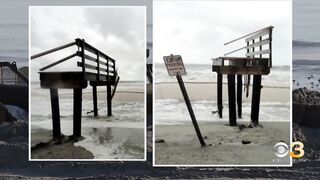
174	65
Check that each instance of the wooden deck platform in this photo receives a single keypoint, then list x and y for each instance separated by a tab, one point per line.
257	62
70	80
241	65
97	69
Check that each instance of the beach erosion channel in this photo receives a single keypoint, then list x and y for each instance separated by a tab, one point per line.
120	136
173	127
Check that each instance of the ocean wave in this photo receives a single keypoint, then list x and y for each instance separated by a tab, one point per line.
171	111
306	43
306	62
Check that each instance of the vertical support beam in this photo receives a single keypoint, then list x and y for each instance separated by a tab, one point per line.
95	100
83	58
255	104
77	106
56	129
109	99
248	85
193	118
98	66
219	91
232	100
270	47
239	94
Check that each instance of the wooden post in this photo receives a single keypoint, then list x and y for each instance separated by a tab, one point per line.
232	100
83	58
193	118
219	91
77	106
255	104
109	99
239	94
95	101
56	129
248	85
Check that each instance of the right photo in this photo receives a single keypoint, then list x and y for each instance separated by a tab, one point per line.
222	83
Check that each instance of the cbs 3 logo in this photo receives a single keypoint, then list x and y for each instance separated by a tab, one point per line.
281	149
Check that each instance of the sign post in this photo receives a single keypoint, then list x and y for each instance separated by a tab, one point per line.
176	68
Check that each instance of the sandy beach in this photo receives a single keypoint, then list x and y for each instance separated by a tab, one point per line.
181	146
208	91
49	150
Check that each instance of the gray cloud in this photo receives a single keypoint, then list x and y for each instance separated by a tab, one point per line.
198	29
116	31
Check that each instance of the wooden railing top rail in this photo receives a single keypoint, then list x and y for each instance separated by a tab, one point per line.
258	46
93	50
247	35
251	37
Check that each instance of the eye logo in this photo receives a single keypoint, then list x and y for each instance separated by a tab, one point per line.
281	149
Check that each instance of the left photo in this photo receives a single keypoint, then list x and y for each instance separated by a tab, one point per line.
87	83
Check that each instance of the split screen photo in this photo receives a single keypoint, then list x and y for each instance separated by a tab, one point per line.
219	81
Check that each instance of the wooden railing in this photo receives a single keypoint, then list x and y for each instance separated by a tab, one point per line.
13	67
258	46
92	59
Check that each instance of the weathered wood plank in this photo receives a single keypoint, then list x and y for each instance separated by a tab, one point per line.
257	35
92	67
87	57
62	80
269	27
254	53
256	70
259	43
53	50
72	80
59	61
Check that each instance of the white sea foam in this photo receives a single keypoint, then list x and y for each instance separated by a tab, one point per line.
169	111
120	136
17	112
279	75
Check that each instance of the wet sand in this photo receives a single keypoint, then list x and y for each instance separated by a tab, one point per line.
181	146
208	91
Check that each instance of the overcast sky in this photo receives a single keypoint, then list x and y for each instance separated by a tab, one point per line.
197	30
117	31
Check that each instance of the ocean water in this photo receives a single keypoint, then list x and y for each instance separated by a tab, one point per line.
13	36
306	45
173	111
120	136
306	65
306	20
14	31
278	77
